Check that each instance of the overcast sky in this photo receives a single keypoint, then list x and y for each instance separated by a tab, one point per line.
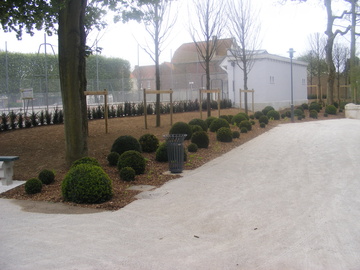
283	27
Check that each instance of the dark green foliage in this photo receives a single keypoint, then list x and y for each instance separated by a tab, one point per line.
218	123
264	119
315	106
195	128
336	105
238	118
230	118
252	122
125	143
267	109
246	124
200	123
273	114
330	109
42	118
181	128
86	160
305	106
252	117
262	125
298	112
314	114
113	158
300	108
209	120
56	116
149	143
258	114
127	174
33	186
299	117
288	114
132	159
225	117
243	130
192	147
201	139
48	116
12	117
46	177
224	134
326	115
4	122
236	134
86	183
33	119
21	121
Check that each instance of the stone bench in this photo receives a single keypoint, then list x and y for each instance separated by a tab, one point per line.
352	111
6	169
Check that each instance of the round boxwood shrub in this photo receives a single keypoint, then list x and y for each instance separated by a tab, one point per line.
125	143
224	134
86	160
298	112
264	119
46	177
225	117
236	134
258	114
238	118
267	109
149	143
201	139
132	159
33	186
246	124
195	128
218	123
230	116
273	114
314	106
181	128
127	174
330	109
262	125
243	130
209	120
86	183
192	147
199	122
305	106
113	158
161	153
314	114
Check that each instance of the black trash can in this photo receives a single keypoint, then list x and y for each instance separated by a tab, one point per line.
175	151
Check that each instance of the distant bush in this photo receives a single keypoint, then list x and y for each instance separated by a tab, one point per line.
264	119
46	177
262	125
181	128
86	160
199	122
132	159
33	186
246	124
149	143
201	139
315	106
313	114
305	106
238	118
192	147
267	109
243	130
209	120
218	123
195	128
127	174
273	114
330	109
125	143
113	158
258	114
236	134
224	134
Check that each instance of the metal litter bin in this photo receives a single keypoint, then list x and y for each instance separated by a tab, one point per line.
175	151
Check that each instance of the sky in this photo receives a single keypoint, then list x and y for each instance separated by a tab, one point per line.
282	27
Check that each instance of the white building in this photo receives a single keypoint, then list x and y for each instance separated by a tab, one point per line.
270	78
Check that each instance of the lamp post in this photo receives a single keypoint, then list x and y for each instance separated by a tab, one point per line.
233	79
291	53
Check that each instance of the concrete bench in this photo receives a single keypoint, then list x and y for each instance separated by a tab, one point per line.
6	169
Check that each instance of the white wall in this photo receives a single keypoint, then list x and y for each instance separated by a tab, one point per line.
271	80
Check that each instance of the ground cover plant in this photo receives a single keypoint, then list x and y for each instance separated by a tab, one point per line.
44	148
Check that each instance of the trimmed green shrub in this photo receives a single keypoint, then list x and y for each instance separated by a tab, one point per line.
267	109
195	128
305	106
127	174
46	177
224	134
113	158
236	134
299	117
243	130
252	122
86	183
314	114
330	109
273	114
209	120
218	123
149	143
246	124
238	118
252	117
300	108
262	125
264	119
86	160
230	116
201	139
314	106
326	115
200	123
192	147
125	143
33	186
181	128
132	159
258	114
225	117
298	112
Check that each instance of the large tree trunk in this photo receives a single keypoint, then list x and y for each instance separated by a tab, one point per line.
72	40
328	51
208	86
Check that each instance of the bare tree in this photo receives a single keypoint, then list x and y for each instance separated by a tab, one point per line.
244	27
205	33
340	57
